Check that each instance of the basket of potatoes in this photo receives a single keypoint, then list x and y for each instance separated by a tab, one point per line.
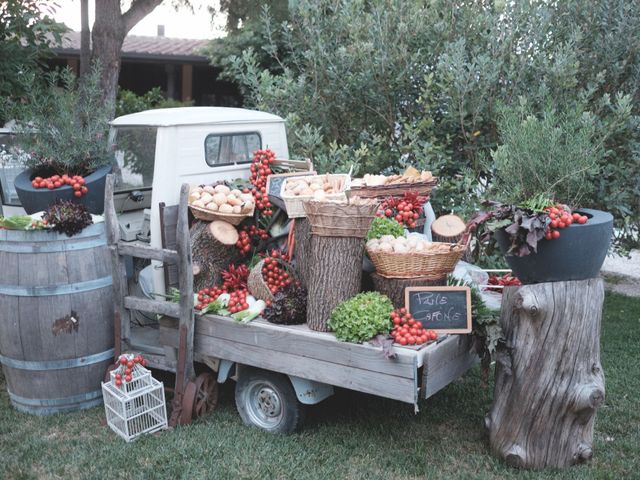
409	257
220	202
296	190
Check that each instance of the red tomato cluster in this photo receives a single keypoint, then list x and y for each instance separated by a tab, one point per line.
561	218
250	235
77	182
238	301
405	210
274	275
506	280
208	295
125	370
408	331
260	170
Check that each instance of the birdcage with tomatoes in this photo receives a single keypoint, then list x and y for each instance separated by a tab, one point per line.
133	400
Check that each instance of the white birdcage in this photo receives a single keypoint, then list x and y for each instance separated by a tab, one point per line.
135	407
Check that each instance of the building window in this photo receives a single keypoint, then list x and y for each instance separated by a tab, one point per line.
230	148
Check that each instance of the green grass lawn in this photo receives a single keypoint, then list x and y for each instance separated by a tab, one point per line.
350	435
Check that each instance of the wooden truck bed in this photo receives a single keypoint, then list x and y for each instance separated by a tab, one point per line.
297	350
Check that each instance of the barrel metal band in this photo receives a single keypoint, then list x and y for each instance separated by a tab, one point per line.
52	247
57	364
54	402
86	286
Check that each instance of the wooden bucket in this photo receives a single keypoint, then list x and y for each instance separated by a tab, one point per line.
56	318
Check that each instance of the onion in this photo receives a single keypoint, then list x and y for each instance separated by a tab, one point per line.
220	198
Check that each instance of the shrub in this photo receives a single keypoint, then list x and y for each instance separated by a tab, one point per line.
554	155
63	128
386	83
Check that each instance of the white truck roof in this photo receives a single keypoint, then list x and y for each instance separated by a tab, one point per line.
167	117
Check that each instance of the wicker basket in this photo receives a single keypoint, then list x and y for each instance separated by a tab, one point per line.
256	284
432	265
395	190
332	219
294	205
209	215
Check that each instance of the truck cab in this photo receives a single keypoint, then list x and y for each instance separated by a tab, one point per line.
158	150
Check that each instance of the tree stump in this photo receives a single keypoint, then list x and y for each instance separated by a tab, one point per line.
302	234
394	287
549	381
334	275
213	248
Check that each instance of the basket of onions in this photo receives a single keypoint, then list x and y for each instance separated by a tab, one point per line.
220	203
410	257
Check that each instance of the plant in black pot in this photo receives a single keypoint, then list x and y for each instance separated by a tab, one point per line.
544	172
62	126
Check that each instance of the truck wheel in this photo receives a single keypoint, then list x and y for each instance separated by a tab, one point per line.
267	400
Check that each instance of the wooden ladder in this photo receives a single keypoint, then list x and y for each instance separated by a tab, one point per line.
124	303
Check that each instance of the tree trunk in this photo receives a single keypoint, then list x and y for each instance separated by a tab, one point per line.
213	249
85	38
549	381
302	234
335	274
109	30
394	287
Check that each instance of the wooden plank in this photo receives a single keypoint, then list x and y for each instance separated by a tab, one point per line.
119	274
168	226
308	344
185	281
383	385
446	362
156	361
146	339
159	307
145	251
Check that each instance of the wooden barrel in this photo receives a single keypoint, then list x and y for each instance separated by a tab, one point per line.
56	318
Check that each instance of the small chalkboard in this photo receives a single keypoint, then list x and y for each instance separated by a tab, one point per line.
443	309
274	185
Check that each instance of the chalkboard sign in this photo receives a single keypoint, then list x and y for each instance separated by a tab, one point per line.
443	309
274	185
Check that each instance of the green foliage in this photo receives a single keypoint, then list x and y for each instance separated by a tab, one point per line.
384	226
129	102
62	124
26	33
389	83
556	155
362	317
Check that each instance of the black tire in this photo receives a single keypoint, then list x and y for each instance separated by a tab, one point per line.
267	400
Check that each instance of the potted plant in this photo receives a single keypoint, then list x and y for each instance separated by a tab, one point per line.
62	126
545	170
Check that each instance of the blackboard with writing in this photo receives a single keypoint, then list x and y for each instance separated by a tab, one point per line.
443	309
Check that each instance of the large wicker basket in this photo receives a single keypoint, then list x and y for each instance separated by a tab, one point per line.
432	265
333	219
395	190
294	204
209	215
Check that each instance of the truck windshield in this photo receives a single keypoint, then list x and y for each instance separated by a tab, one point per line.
135	149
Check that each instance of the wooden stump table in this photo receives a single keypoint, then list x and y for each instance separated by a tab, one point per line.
549	381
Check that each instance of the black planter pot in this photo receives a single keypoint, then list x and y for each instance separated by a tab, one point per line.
38	199
577	255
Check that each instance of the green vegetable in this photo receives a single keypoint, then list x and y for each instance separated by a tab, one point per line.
362	317
17	222
384	226
67	217
214	307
